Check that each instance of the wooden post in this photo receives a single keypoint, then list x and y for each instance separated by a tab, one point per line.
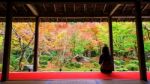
111	38
140	43
7	43
35	65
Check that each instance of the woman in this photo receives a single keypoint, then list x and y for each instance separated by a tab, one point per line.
105	61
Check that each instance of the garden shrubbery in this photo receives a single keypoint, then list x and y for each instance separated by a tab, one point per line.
132	67
73	65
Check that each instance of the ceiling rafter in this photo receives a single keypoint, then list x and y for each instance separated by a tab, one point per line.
74	7
14	8
32	9
85	9
94	7
124	8
44	7
114	9
55	9
65	8
104	8
145	7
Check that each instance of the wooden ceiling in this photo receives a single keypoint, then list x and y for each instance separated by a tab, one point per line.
79	10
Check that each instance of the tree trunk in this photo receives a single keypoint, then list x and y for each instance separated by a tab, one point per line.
20	60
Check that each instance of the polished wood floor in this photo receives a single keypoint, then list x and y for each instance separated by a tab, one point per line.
78	82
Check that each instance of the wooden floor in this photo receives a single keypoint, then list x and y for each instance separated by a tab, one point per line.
79	81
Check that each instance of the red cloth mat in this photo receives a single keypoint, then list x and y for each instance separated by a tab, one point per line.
73	75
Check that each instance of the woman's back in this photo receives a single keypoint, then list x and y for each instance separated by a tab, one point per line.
106	61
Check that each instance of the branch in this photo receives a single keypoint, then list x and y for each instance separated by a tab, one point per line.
19	38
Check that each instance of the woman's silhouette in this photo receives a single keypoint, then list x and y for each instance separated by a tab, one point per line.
105	61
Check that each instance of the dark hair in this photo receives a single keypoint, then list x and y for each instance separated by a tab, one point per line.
105	50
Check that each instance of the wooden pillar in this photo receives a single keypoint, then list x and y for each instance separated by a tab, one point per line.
35	65
140	43
111	38
7	43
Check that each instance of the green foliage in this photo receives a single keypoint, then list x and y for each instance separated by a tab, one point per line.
94	53
121	69
102	34
1	42
134	62
45	57
147	46
79	44
14	60
73	65
147	64
96	64
43	62
53	53
43	66
132	67
124	37
119	62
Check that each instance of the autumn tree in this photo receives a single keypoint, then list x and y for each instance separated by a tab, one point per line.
23	35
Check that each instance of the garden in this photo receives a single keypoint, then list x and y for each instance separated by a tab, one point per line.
74	46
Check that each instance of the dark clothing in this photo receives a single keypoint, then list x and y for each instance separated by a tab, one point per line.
106	63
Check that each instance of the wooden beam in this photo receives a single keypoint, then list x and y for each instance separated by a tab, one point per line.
104	8
54	8
111	38
133	10
44	7
7	42
124	8
24	7
140	43
32	9
36	41
94	7
74	1
84	5
145	7
14	8
104	18
74	8
115	8
3	7
65	8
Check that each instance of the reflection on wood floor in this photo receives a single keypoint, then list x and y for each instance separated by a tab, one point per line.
79	81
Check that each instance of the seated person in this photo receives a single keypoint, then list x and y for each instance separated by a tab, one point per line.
105	61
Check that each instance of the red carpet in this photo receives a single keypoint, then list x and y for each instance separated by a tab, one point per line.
73	75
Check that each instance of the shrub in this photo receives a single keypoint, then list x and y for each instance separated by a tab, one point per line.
134	62
43	66
147	64
53	53
132	67
96	64
122	69
119	62
45	57
73	65
93	53
14	60
43	62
